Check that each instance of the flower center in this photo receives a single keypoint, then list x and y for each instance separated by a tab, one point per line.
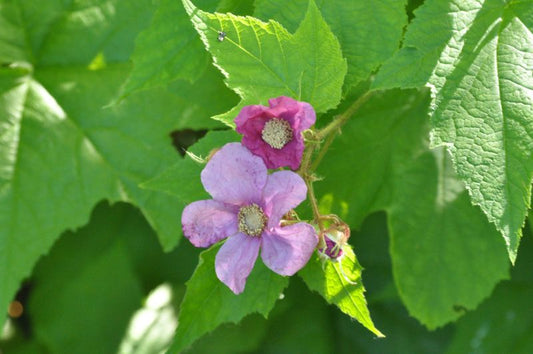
252	220
277	133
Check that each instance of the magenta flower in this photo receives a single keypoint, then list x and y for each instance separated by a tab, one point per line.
275	133
247	208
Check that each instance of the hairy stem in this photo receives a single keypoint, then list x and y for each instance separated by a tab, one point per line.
307	167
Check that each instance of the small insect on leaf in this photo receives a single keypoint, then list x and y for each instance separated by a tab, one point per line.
221	36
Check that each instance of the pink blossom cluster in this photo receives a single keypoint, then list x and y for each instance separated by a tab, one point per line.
248	204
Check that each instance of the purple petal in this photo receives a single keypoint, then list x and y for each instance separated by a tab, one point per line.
247	114
284	190
300	115
290	155
206	222
331	249
287	249
234	175
306	116
235	260
283	107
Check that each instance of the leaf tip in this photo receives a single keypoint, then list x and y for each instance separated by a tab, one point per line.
379	334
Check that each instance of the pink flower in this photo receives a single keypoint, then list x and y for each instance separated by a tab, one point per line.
247	208
275	133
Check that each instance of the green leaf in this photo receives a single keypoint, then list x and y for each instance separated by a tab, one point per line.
262	60
300	323
501	324
478	63
191	109
209	303
362	159
61	151
12	44
85	290
404	333
369	32
140	126
182	180
61	33
440	243
166	51
236	7
244	337
446	257
333	283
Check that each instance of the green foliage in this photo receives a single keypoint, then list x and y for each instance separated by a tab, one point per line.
340	284
84	291
447	258
263	60
501	324
80	123
369	32
166	51
62	150
68	290
209	303
404	333
181	179
477	61
440	243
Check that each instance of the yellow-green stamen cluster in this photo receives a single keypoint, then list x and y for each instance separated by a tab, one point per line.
252	220
277	133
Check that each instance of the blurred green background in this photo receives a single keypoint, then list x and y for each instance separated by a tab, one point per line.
108	287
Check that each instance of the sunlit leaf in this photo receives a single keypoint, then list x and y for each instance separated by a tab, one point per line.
263	60
340	284
369	31
477	57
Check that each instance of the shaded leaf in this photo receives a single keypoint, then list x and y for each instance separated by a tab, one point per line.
61	150
182	180
209	303
167	50
500	324
440	243
86	289
446	256
236	7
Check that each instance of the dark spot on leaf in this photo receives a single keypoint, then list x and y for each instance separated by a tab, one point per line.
412	5
182	139
460	308
23	322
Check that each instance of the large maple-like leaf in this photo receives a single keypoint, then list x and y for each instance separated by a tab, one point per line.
477	57
61	148
369	32
440	243
263	60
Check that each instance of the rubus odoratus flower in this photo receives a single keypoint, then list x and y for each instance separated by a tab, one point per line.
247	208
275	133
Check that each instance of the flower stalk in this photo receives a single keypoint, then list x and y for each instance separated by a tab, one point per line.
324	136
